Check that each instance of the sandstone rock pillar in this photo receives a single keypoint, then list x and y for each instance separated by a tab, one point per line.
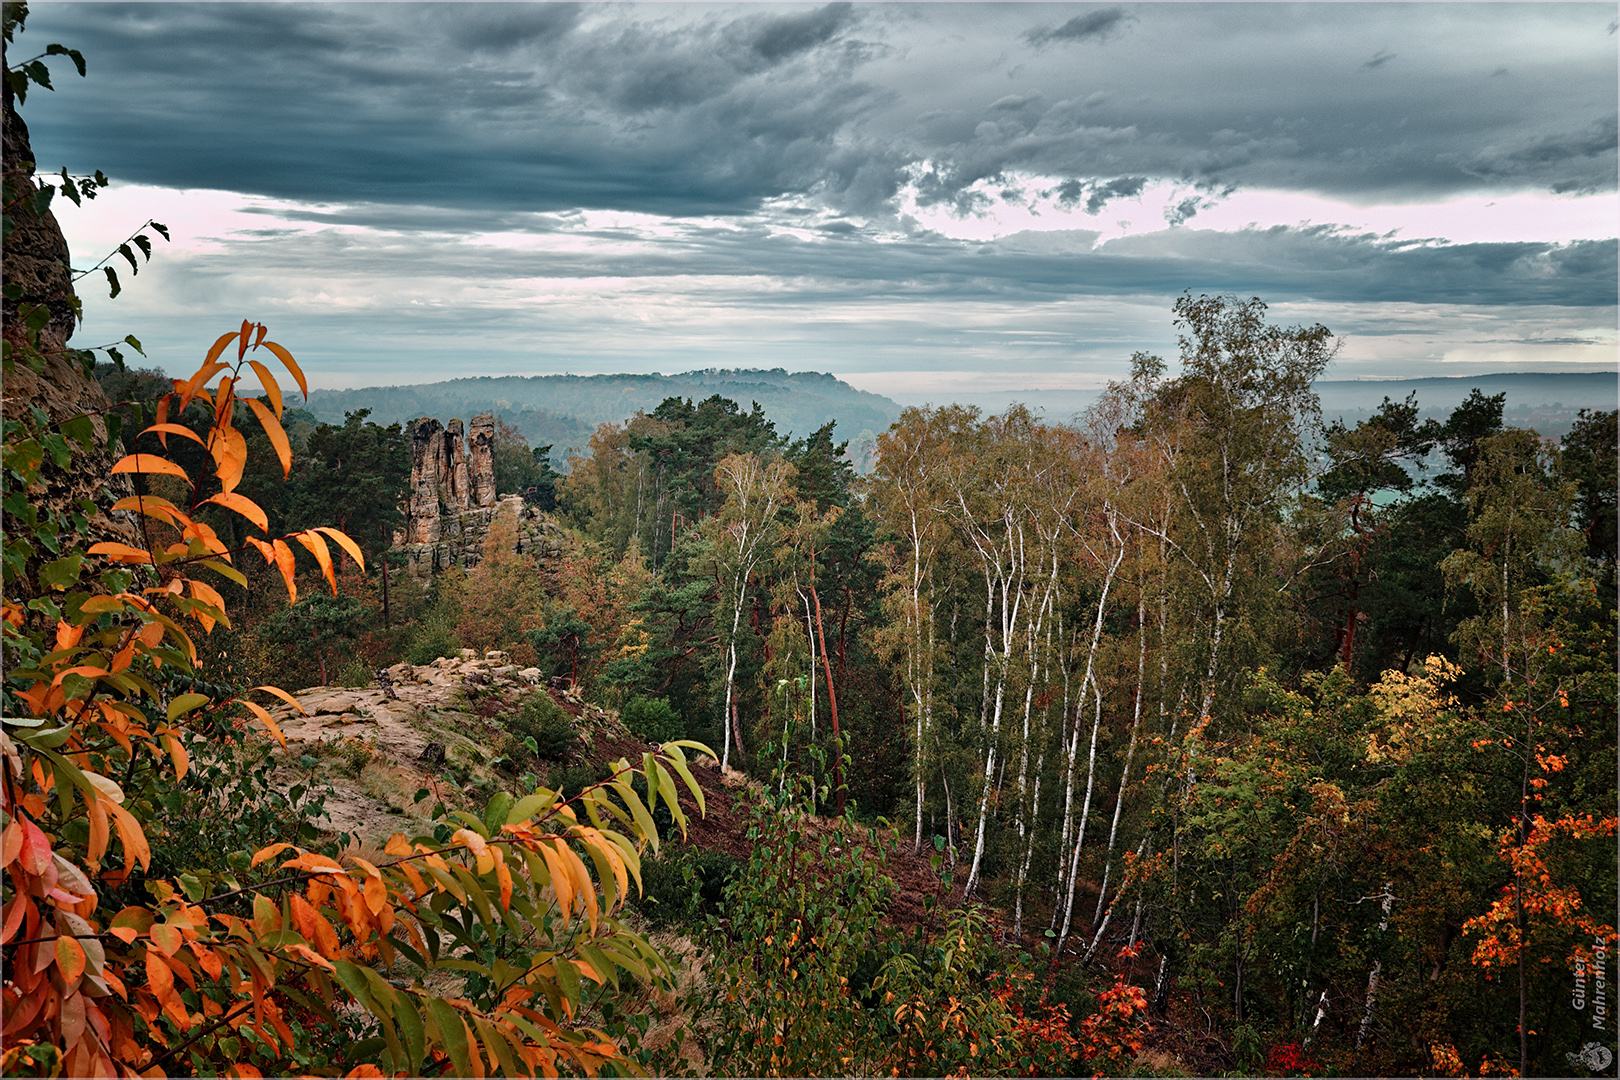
427	466
481	452
457	494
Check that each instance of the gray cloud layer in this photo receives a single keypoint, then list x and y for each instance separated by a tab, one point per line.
782	140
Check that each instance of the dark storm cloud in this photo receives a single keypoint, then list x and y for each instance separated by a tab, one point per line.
500	28
789	35
1093	24
683	110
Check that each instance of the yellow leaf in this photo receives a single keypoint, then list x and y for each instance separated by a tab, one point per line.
345	543
317	547
264	718
283	695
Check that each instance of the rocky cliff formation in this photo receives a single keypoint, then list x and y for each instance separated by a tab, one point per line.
453	504
37	274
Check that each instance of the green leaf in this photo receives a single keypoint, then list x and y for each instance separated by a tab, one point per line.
69	188
61	573
452	1034
185	703
410	1026
226	570
134	267
500	804
133	342
80	429
529	805
113	288
162	229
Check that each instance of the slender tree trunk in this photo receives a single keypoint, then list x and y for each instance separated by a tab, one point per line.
731	672
1085	811
1130	751
810	633
832	706
1377	967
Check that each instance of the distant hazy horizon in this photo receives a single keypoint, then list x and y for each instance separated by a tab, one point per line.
953	198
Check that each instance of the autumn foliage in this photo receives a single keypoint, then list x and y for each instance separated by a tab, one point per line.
205	972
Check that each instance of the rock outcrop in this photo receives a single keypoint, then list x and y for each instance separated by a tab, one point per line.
454	507
37	275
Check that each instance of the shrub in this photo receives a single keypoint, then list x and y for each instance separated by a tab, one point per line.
543	727
652	719
432	637
685	886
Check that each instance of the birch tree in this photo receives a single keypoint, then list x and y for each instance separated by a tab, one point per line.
743	533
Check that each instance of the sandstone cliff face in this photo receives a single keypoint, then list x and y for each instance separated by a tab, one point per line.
453	505
37	262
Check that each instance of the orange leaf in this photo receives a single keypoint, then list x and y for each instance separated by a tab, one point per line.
178	755
504	876
158	976
219	347
121	552
229	449
189	389
174	429
243	505
292	365
317	547
273	432
245	339
265	548
36	849
205	592
311	955
153	506
345	543
149	463
163	414
69	958
129	831
167	938
67	636
284	562
268	853
267	381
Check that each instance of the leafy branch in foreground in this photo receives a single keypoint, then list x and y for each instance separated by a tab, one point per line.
214	980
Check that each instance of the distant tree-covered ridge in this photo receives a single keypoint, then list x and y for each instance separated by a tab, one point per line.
564	410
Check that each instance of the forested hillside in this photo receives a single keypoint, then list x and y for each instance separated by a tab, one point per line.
563	410
1196	736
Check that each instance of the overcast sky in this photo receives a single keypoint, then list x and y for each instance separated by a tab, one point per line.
921	199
